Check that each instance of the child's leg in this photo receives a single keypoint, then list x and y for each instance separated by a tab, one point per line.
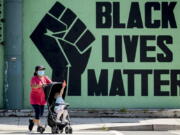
59	112
65	113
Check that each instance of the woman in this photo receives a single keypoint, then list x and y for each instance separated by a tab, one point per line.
37	96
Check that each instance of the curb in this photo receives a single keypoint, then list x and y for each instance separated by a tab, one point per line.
144	127
129	113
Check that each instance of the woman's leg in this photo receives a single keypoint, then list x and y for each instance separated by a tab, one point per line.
41	110
36	119
37	110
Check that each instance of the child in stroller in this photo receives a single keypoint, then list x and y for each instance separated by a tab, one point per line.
58	116
60	105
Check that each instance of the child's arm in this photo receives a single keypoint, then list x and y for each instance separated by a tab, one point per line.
62	89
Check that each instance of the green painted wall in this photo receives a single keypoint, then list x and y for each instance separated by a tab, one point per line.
1	74
34	11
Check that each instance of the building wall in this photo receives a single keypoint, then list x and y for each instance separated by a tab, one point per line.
102	65
1	74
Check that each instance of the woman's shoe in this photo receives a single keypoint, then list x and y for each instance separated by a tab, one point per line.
31	124
40	129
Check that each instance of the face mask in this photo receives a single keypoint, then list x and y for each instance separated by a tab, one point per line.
41	72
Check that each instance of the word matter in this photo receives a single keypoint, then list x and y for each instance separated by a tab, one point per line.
165	82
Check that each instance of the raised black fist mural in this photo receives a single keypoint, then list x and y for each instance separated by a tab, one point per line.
65	43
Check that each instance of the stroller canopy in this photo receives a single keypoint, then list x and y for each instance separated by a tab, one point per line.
50	90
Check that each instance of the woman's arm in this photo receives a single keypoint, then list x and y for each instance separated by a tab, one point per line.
36	86
48	80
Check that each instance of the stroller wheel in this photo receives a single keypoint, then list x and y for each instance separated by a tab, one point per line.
54	130
68	130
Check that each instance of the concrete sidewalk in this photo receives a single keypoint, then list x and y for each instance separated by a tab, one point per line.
19	125
16	121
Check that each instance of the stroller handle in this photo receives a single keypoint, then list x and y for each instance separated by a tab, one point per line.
44	85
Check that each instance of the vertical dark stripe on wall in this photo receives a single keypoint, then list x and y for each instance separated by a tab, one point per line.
13	88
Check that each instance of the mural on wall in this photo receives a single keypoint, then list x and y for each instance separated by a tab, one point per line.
112	53
65	42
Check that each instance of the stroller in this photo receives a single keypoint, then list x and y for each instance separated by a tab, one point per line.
56	128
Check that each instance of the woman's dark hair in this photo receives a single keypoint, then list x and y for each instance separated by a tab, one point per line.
36	69
35	74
